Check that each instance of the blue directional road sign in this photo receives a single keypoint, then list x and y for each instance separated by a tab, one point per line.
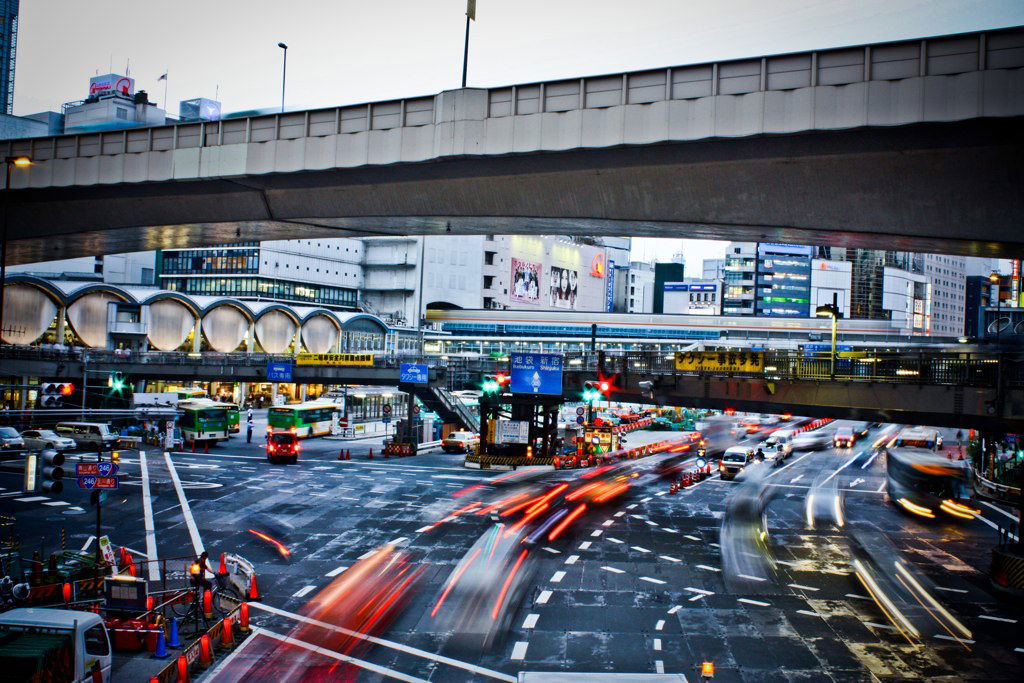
581	420
96	469
279	372
414	373
536	373
92	482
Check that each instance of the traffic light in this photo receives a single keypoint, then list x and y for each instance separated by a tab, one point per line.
53	471
591	392
116	382
494	384
53	394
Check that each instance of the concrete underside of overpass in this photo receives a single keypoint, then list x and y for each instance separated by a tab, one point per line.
940	187
933	405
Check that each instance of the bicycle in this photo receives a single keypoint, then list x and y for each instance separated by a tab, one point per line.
225	599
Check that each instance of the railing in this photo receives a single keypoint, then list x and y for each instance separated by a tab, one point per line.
938	56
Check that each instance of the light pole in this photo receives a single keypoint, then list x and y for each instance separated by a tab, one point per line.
831	311
21	162
993	279
284	72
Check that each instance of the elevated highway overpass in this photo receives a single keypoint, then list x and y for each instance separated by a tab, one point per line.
916	143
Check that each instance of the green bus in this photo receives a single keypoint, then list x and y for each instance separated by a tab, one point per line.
306	419
234	418
204	420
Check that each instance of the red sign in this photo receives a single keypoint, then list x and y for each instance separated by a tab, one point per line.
105	483
597	265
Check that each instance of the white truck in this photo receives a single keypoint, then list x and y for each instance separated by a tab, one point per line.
63	644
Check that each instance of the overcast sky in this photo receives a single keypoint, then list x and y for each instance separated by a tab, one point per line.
343	51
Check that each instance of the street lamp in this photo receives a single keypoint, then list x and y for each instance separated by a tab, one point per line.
831	311
20	161
994	279
284	72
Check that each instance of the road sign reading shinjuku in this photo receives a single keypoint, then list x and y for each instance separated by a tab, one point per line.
536	373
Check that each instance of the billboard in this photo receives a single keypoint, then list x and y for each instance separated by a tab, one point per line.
564	287
609	290
111	83
525	282
199	109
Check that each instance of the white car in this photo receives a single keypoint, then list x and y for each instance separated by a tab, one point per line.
734	460
38	439
812	441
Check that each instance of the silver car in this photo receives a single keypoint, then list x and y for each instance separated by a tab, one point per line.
38	439
10	440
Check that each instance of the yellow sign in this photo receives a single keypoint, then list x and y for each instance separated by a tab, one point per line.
334	359
720	361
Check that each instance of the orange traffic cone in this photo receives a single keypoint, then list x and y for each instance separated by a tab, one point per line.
223	569
227	637
254	592
205	655
207	604
183	669
370	456
243	617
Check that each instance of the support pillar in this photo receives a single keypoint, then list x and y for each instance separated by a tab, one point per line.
302	392
61	324
23	393
250	338
337	346
243	393
273	394
297	340
197	336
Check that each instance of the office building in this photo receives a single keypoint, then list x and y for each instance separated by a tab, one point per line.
112	102
739	275
693	297
714	269
136	268
634	287
293	271
946	277
9	49
783	280
831	281
665	273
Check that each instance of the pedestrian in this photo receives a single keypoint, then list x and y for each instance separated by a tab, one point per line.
248	413
248	428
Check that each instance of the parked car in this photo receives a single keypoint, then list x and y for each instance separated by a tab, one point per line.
54	644
37	439
811	441
10	440
460	442
283	445
734	460
88	435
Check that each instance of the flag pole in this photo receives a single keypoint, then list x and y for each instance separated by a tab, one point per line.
470	15
167	105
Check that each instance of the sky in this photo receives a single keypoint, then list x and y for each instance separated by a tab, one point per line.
345	52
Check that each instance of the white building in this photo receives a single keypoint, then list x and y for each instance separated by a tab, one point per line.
634	287
112	101
946	274
906	299
828	279
693	297
740	276
135	268
713	269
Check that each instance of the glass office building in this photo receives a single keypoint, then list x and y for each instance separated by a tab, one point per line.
783	280
8	49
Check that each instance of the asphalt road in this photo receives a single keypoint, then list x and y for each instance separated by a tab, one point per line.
637	587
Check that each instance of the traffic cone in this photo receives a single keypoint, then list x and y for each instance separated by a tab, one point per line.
97	673
161	646
341	454
207	604
223	569
183	669
130	565
67	593
254	592
206	447
149	603
227	637
205	654
370	456
243	617
193	445
172	637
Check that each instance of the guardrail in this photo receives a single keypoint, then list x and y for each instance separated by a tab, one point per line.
990	489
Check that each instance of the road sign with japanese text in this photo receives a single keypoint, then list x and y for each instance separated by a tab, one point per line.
723	361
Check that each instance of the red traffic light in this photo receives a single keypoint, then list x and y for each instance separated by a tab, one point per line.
67	389
501	379
604	386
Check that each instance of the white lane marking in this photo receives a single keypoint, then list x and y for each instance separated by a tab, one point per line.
447	476
1002	619
416	652
647	521
640	517
76	508
619	513
147	514
57	503
632	507
639	549
885	626
645	500
369	666
531	620
671	531
553	551
698	590
585	545
660	493
965	641
572	559
669	558
1018	649
543	598
983	519
698	597
675	609
752	577
840	469
999	510
858	480
613	570
557	577
802	587
398	540
186	511
796	479
657	644
366	554
784	467
31	499
597	533
881	487
660	625
423	529
692	538
950	590
88	542
614	540
648	579
335	572
753	602
710	569
305	590
519	650
809	613
659	666
854	596
255	488
608	522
